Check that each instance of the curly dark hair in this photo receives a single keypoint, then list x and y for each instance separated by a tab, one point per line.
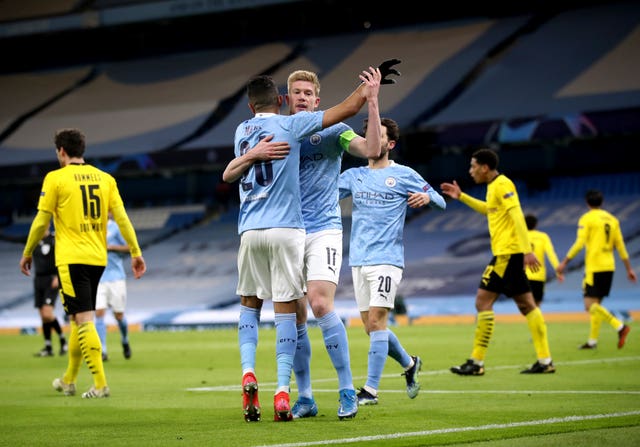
72	140
487	157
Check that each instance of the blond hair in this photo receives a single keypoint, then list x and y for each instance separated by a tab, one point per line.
304	75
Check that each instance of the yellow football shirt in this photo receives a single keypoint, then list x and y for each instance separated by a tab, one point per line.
79	197
501	197
599	233
541	246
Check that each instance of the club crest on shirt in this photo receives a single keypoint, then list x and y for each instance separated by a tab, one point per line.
315	139
390	182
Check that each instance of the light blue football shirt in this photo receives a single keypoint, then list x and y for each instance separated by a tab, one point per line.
320	166
379	211
270	190
115	260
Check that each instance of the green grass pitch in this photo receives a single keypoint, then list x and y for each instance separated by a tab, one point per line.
182	388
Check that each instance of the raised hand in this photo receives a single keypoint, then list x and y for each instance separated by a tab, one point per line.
372	80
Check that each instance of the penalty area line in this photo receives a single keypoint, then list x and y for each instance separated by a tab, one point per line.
441	431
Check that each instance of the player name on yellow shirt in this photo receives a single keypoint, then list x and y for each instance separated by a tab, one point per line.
87	227
87	177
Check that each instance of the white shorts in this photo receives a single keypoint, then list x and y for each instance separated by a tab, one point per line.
112	294
323	256
270	264
375	285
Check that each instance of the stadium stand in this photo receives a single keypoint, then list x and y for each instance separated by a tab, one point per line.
195	100
445	252
422	48
153	104
526	79
192	273
474	80
137	107
15	290
151	223
25	94
192	267
31	9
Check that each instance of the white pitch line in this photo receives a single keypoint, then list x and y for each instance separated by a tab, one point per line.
272	385
441	431
236	388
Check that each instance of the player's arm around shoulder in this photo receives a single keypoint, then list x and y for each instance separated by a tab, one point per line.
265	150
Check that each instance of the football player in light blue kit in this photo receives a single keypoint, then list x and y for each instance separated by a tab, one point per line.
112	290
381	192
271	227
320	166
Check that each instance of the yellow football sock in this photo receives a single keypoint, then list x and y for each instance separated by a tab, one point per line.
538	329
75	355
595	321
92	352
484	332
604	315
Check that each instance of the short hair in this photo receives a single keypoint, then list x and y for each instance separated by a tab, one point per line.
531	221
393	130
304	75
262	92
594	197
72	140
487	157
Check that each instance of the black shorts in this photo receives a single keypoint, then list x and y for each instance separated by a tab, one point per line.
537	288
505	274
43	292
79	286
598	285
